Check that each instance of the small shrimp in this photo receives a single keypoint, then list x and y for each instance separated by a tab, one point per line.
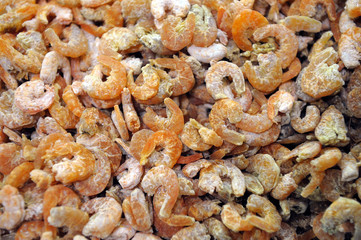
42	178
196	231
174	121
270	220
287	40
205	32
320	45
302	23
130	115
119	123
183	80
106	216
261	139
258	165
77	45
309	122
129	179
14	18
112	87
72	101
177	34
202	210
8	79
150	84
260	77
79	168
349	167
19	175
172	149
31	98
304	151
308	8
329	157
284	187
226	110
232	217
340	211
281	101
51	63
191	138
214	52
214	80
14	207
136	211
244	25
63	15
30	230
208	135
320	233
97	182
178	8
123	231
293	70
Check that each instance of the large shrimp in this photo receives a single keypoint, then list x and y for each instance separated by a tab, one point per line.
183	80
130	178
30	96
51	63
106	215
14	207
225	110
150	85
77	45
114	84
172	149
287	40
214	80
174	121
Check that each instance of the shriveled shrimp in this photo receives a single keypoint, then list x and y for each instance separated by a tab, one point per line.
31	98
174	121
287	40
261	139
260	77
93	3
8	79
63	15
14	18
205	32
329	157
130	178
106	215
304	151
123	231
197	231
172	149
308	8
19	175
302	23
30	230
178	8
130	115
270	220
191	138
244	24
214	52
136	211
208	135
320	44
150	85
214	80
51	63
353	8
340	211
293	70
349	167
282	102
119	123
232	217
177	34
226	110
14	207
183	80
114	84
72	101
309	122
67	171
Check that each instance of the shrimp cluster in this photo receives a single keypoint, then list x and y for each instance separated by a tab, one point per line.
179	119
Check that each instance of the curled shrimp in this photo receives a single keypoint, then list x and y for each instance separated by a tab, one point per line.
260	77
106	215
72	101
19	175
329	157
14	207
172	149
130	178
304	151
302	23
77	45
309	122
214	80
174	121
293	70
123	231
244	24
183	80
308	8
30	230
232	217
112	87
226	110
205	32
214	52
93	3
31	98
191	138
79	168
178	8
150	85
281	101
130	115
287	40
208	135
340	211
14	18
261	139
270	220
51	63
63	15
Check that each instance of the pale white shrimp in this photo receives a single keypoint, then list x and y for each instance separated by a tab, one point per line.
31	98
14	207
215	52
49	68
133	64
345	22
63	15
179	8
123	231
129	179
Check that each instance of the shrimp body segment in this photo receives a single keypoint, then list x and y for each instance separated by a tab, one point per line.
14	207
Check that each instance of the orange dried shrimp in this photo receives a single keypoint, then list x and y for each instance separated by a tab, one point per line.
201	119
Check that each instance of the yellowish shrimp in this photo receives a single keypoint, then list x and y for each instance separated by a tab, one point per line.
329	157
19	175
302	23
129	178
214	80
232	217
112	87
14	207
226	110
31	98
309	122
119	123
130	115
208	135
281	101
304	151
191	138
93	3
308	8
75	47
150	85
287	40
174	121
49	68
